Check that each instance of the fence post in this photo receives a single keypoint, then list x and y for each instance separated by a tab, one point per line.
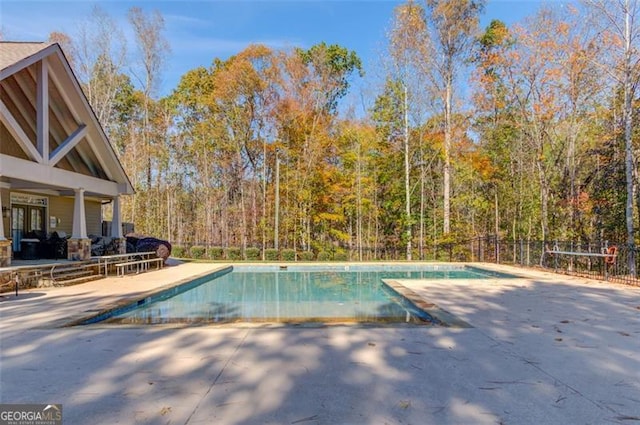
521	252
571	257
555	258
471	244
497	248
604	262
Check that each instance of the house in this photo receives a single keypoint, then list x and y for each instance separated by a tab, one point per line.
57	167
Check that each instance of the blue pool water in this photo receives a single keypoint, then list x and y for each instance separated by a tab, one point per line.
292	295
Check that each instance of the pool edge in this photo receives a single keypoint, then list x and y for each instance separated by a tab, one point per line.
134	301
444	318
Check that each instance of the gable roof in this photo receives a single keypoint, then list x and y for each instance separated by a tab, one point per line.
12	52
78	142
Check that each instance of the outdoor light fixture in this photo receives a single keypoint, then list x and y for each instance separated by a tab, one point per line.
5	212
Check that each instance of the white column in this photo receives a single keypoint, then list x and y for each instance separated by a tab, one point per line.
116	221
79	217
2	238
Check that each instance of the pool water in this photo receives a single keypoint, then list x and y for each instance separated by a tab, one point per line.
254	294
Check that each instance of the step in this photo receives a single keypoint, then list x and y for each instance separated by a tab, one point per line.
47	282
64	275
78	280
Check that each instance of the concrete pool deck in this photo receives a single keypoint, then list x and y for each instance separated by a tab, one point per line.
543	349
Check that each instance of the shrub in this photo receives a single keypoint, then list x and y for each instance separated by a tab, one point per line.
306	256
271	254
341	255
324	256
233	254
216	253
197	251
252	254
178	251
288	255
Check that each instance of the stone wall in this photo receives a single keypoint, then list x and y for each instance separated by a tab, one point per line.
5	253
78	249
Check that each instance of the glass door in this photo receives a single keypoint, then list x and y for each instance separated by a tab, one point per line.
36	219
18	225
25	219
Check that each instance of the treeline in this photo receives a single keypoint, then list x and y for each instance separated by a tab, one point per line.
527	132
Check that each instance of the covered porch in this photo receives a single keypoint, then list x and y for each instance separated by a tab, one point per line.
55	224
57	166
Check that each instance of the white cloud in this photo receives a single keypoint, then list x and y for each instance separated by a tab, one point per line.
182	20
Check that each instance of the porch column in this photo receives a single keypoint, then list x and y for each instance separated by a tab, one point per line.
5	244
2	238
79	217
116	226
79	246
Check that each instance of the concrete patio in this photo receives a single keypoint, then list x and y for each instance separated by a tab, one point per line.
543	349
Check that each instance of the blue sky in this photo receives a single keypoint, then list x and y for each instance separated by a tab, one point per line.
199	31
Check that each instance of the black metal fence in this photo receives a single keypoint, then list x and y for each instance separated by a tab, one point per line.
598	260
588	259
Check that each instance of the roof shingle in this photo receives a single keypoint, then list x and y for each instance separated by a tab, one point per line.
12	52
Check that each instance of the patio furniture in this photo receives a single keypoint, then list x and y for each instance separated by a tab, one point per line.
29	248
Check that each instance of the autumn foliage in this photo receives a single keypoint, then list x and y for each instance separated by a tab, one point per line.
520	131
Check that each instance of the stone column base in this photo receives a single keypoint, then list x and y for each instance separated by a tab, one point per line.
5	252
121	243
78	249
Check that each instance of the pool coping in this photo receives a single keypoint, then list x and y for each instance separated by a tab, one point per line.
80	319
442	317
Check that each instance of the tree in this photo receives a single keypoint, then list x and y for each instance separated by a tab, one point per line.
333	64
409	45
453	26
97	55
312	81
617	24
388	117
152	48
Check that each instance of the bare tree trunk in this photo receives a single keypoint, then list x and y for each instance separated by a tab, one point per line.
544	201
407	189
422	206
497	214
169	211
359	201
264	199
243	212
276	226
447	160
628	142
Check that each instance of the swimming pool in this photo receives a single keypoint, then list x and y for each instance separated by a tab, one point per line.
294	294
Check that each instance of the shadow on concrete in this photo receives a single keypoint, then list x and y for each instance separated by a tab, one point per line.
21	296
539	353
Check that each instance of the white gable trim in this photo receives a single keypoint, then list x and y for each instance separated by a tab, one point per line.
66	146
18	133
54	66
42	109
22	169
